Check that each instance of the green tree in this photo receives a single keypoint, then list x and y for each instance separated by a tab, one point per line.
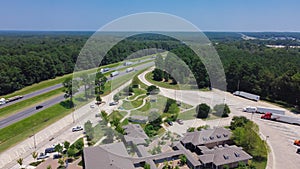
61	162
191	129
152	89
222	110
66	145
203	110
71	87
58	148
116	98
173	109
88	128
100	81
49	167
147	166
71	152
158	74
183	159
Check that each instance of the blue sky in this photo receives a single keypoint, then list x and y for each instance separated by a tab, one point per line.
212	15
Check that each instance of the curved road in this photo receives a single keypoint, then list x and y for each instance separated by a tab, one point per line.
280	135
32	110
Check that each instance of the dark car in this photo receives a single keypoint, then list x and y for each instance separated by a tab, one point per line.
49	150
170	123
39	107
57	156
298	150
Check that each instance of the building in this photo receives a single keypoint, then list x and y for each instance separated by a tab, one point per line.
134	134
209	138
220	156
115	156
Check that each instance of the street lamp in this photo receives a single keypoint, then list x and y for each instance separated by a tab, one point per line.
34	141
267	138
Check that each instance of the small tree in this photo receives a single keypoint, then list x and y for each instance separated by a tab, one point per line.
88	128
152	90
202	127
203	110
147	166
49	167
98	99
191	129
61	162
58	148
20	161
116	98
71	152
222	110
34	155
183	159
66	145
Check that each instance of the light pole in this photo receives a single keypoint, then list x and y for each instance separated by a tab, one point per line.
34	141
267	138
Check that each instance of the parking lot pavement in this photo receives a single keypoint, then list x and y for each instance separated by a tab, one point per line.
55	133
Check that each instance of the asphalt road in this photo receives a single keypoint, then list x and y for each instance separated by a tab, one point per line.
48	89
32	110
279	136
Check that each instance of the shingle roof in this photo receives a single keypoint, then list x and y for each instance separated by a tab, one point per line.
206	136
112	156
135	134
224	155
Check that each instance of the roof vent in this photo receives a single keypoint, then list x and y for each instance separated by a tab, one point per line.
237	154
204	139
218	136
225	135
211	137
226	157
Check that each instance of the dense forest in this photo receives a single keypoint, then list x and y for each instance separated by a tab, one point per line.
27	58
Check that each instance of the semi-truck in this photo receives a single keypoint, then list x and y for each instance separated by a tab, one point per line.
281	118
113	74
129	69
11	99
246	95
263	110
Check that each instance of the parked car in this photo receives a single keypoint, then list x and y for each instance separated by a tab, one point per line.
92	106
170	123
297	142
98	115
42	156
57	156
39	107
77	128
49	150
113	103
179	121
298	150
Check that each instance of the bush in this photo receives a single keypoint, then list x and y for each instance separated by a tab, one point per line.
202	110
222	110
152	90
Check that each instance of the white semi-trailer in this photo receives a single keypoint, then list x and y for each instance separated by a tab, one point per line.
264	110
246	95
113	74
129	69
270	110
281	118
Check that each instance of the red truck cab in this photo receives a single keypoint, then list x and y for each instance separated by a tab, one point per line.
266	116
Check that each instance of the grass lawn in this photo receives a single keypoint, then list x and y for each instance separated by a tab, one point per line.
116	115
14	108
12	134
187	115
137	92
149	78
259	164
127	105
159	105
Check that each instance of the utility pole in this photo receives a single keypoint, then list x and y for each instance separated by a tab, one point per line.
34	141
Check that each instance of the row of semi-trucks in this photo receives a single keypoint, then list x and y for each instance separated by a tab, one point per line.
11	99
273	114
116	73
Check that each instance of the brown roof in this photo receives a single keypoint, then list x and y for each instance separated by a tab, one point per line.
112	156
206	136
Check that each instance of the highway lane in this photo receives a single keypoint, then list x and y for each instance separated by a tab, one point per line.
48	89
32	110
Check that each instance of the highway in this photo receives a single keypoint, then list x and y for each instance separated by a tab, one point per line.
32	110
48	89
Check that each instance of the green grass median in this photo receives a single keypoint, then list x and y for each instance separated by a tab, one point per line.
17	107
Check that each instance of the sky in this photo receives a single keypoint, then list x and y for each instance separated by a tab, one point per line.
207	15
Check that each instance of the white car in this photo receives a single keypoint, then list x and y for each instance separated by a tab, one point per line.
92	106
77	128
